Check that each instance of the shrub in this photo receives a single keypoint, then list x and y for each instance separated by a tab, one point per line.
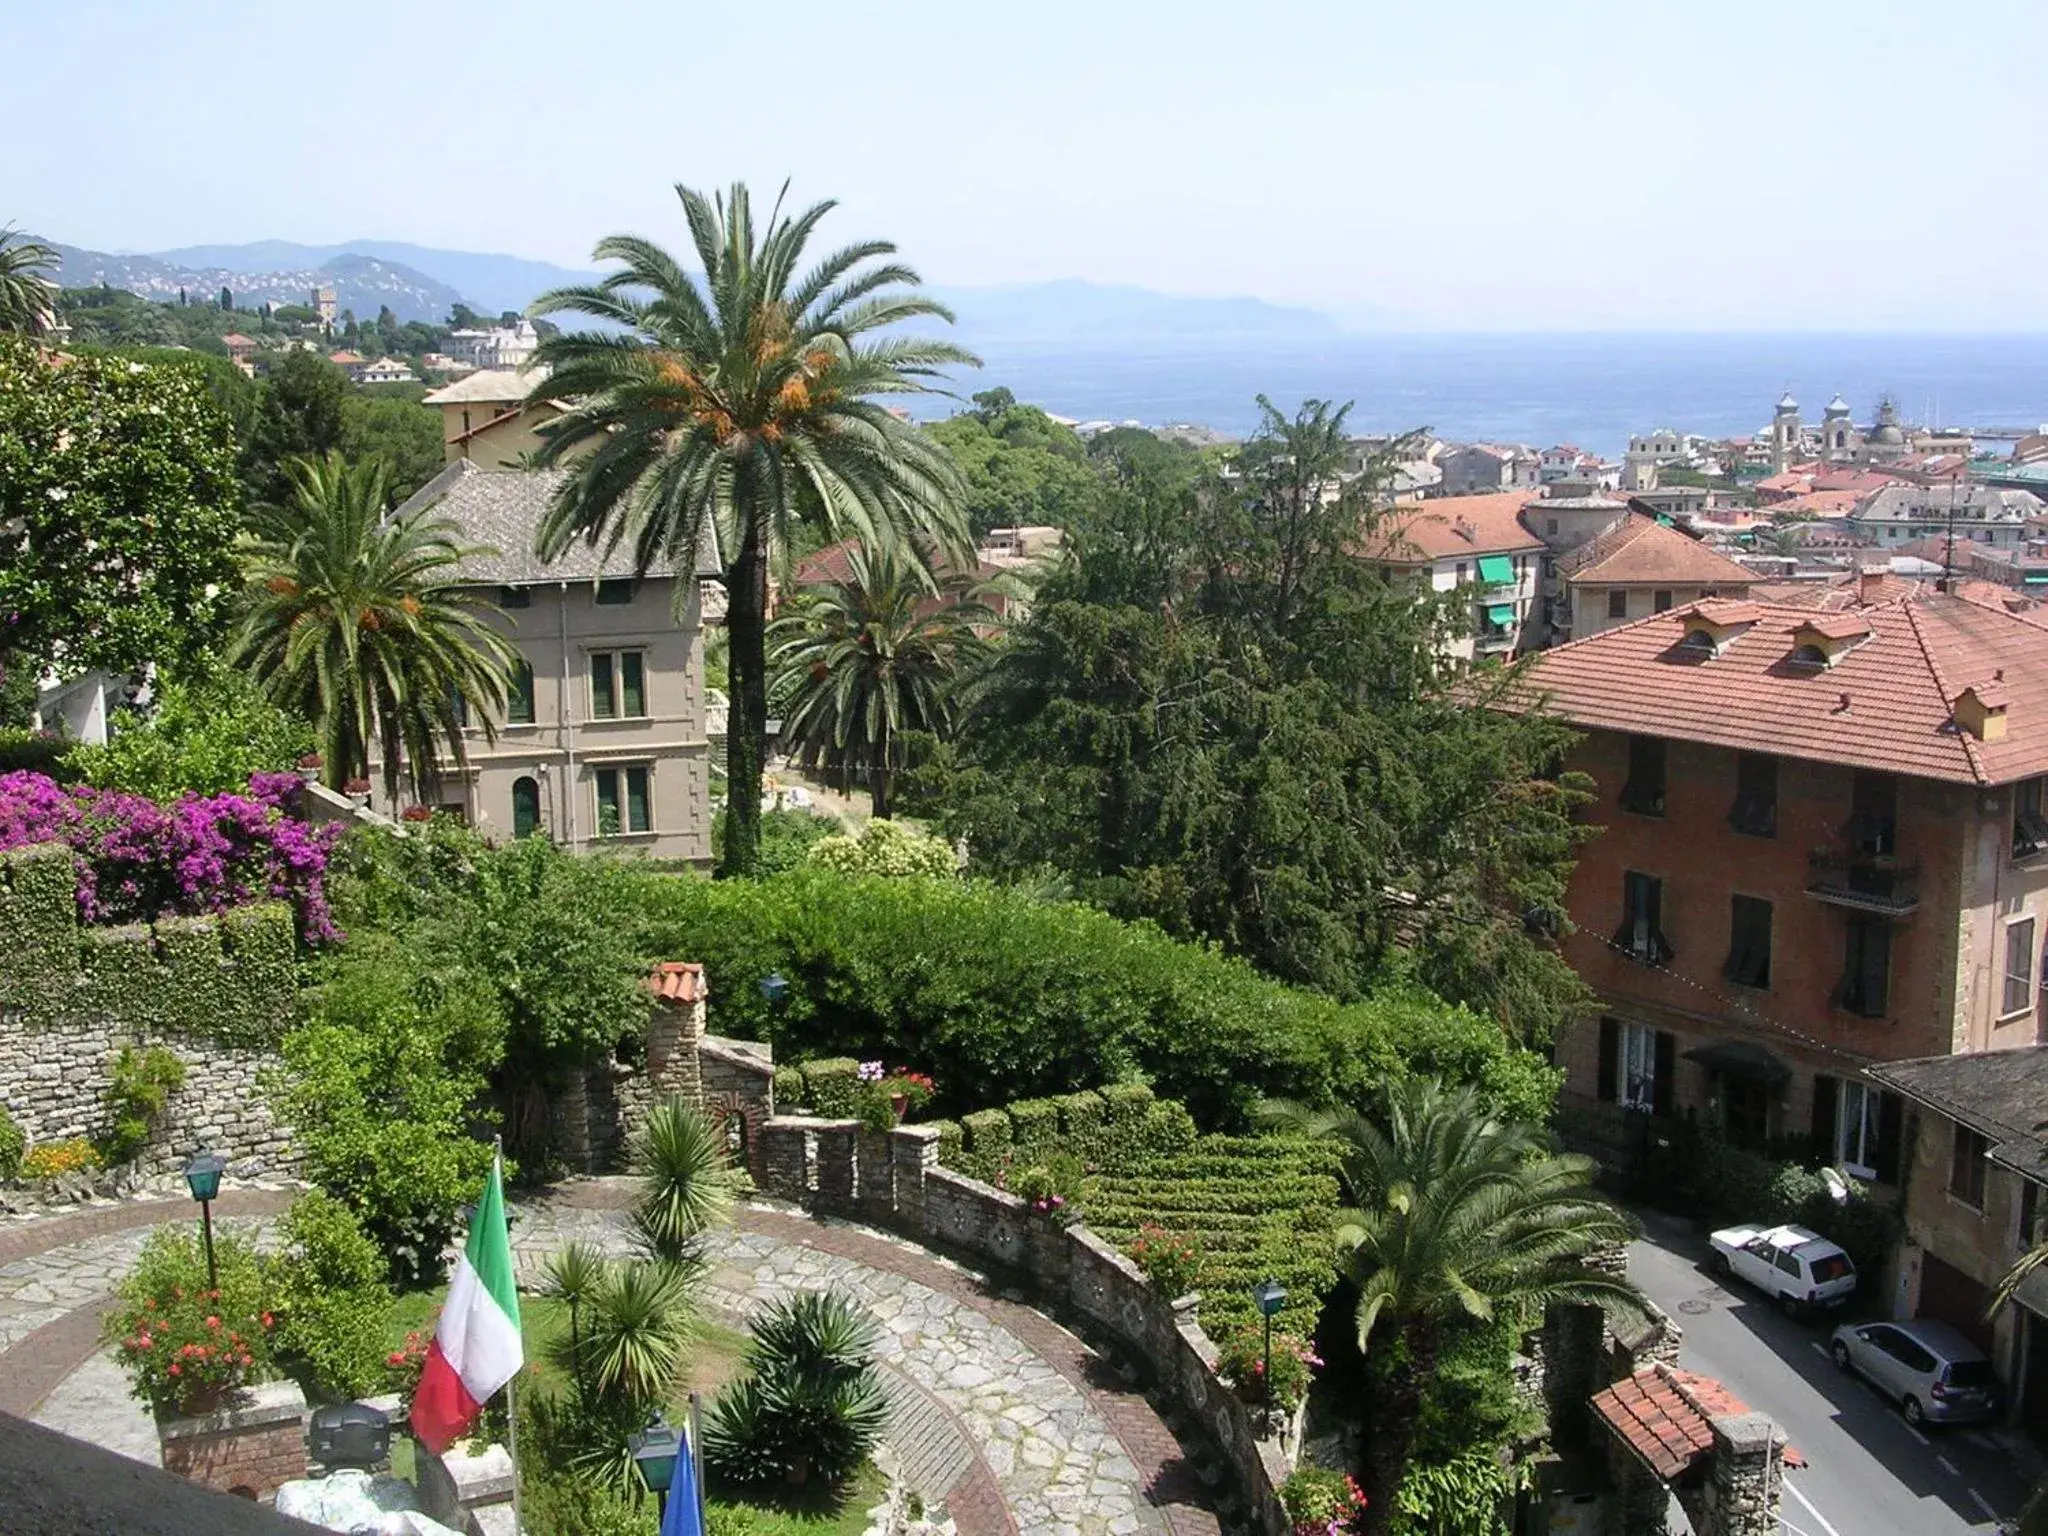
45	752
12	1145
810	1405
52	1159
179	1338
208	731
1051	1188
887	849
139	1086
1083	1118
832	1086
1172	1261
565	1503
685	1180
1035	1128
1320	1502
1004	995
1241	1359
952	1138
330	1299
789	1089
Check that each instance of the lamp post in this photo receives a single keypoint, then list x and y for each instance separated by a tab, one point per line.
774	988
654	1451
202	1177
1269	1296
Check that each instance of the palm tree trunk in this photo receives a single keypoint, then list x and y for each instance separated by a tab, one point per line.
746	624
1393	1428
879	777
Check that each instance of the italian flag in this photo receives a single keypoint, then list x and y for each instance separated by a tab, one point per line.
476	1347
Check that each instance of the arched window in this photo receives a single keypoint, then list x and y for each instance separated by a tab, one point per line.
525	807
1809	656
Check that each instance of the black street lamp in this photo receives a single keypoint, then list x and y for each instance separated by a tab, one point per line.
1269	1295
654	1451
202	1177
774	988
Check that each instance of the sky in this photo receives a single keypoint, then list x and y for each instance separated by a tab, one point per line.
1454	164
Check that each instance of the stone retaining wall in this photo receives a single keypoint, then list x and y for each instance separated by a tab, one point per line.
895	1180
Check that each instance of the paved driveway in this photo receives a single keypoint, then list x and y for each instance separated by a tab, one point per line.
1867	1474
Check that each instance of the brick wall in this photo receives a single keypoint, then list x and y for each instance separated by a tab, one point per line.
249	1447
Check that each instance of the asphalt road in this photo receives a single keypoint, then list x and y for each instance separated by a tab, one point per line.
1867	1474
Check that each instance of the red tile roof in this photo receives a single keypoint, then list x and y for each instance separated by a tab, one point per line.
1837	592
1664	1415
678	981
1885	704
1641	550
1455	528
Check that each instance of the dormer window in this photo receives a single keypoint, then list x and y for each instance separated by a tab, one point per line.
1825	640
1810	656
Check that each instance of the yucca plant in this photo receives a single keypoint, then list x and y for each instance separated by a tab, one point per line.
576	1275
685	1181
636	1333
811	1405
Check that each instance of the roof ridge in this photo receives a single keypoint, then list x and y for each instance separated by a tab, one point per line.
1911	611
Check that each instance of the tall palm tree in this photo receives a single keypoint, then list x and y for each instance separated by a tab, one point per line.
1462	1218
361	624
734	407
27	295
859	661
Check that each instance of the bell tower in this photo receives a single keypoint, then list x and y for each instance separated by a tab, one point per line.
1785	434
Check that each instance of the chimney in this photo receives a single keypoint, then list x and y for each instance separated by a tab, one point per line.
1466	531
1980	709
1869	582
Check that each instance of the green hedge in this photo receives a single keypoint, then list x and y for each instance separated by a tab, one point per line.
831	1086
231	979
1000	995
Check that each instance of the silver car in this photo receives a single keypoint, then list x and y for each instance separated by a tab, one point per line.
1932	1372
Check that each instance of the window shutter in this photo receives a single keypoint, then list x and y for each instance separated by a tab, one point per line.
1610	1062
1661	1083
1891	1136
1825	1097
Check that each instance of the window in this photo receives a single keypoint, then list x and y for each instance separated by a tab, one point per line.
1461	573
622	804
1857	1126
1660	602
1550	525
2029	826
1756	795
525	807
1641	935
1636	1066
515	597
1786	1262
615	593
618	685
1966	1155
1865	987
1643	793
2019	965
2029	1216
519	693
1617	602
1749	942
1874	814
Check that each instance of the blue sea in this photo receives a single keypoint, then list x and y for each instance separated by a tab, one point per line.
1590	389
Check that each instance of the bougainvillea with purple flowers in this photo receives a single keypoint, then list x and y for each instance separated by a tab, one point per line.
138	860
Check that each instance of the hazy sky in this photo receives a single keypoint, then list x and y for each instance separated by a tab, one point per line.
1524	164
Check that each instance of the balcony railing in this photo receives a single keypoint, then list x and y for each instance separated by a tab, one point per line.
1880	883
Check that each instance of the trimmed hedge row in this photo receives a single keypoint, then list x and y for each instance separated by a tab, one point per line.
1000	995
1111	1127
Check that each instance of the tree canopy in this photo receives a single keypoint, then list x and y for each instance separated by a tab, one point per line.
1218	716
118	510
1021	466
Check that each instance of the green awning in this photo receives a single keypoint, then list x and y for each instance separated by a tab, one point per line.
1738	1058
1496	570
1501	615
2033	580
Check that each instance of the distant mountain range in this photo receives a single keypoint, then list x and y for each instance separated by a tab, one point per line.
423	283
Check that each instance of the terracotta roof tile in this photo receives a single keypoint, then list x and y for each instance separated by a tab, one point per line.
678	981
1835	626
1664	1415
1885	704
1837	593
1456	528
1642	550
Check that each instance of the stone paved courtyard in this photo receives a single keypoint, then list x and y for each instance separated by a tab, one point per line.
998	1411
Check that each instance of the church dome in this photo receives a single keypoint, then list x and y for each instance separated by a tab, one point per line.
1887	435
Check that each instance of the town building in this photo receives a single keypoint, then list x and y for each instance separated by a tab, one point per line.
1479	468
350	363
604	744
486	419
1981	514
503	347
1823	846
321	301
1976	1199
1475	544
242	351
1637	566
388	370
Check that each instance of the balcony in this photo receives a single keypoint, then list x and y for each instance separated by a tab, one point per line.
1879	883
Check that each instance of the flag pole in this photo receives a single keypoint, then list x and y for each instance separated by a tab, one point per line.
511	1393
697	1462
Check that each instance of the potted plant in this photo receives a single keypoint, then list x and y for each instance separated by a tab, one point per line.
887	1097
1172	1261
309	767
1049	1190
185	1342
358	790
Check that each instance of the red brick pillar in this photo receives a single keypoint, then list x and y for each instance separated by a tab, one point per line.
255	1441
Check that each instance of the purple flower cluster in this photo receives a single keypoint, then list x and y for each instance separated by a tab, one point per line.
138	860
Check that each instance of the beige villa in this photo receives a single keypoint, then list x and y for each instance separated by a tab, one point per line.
604	743
485	418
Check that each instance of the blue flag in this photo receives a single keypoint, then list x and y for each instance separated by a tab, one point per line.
685	1516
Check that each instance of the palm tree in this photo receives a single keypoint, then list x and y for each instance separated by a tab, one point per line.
27	295
1462	1219
361	624
858	662
735	407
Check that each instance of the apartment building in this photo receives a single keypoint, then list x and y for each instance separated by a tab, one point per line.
1478	544
1637	566
1823	847
485	418
605	742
